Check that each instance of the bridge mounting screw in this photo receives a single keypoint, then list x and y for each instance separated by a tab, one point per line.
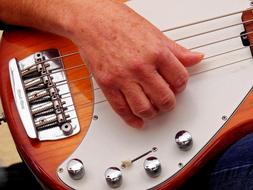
95	117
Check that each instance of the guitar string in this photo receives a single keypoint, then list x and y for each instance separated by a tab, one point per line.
219	41
206	20
214	30
197	73
84	78
83	106
206	58
57	70
81	65
175	28
193	48
101	101
64	82
74	53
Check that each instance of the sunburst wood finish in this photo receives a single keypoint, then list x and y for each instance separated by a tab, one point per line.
43	158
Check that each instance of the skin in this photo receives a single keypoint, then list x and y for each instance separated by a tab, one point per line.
138	68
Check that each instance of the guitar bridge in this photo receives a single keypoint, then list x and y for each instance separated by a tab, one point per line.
42	96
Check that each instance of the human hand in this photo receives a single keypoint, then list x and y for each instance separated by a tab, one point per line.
138	68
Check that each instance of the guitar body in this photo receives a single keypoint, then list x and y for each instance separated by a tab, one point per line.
216	113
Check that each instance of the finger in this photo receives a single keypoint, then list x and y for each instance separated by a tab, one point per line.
185	56
159	92
138	101
119	104
173	72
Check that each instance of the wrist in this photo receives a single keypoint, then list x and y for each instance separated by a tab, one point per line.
87	18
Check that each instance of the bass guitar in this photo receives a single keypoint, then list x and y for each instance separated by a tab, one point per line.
69	136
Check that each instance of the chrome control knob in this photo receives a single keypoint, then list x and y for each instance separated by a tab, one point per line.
152	166
75	169
184	140
113	177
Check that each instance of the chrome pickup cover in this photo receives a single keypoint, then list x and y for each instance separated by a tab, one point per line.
43	97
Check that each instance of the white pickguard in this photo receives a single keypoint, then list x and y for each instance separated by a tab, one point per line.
200	108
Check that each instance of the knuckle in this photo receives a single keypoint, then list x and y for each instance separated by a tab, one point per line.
181	81
105	81
141	64
121	109
167	103
157	53
145	111
138	66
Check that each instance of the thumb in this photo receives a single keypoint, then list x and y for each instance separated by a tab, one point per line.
185	56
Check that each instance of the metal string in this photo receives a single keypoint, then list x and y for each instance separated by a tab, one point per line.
193	48
63	82
206	20
51	59
219	41
57	70
85	105
214	30
175	28
195	23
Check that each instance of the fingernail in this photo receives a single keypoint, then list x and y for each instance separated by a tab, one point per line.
137	124
199	54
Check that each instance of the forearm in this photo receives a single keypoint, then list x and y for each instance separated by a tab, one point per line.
30	13
58	16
